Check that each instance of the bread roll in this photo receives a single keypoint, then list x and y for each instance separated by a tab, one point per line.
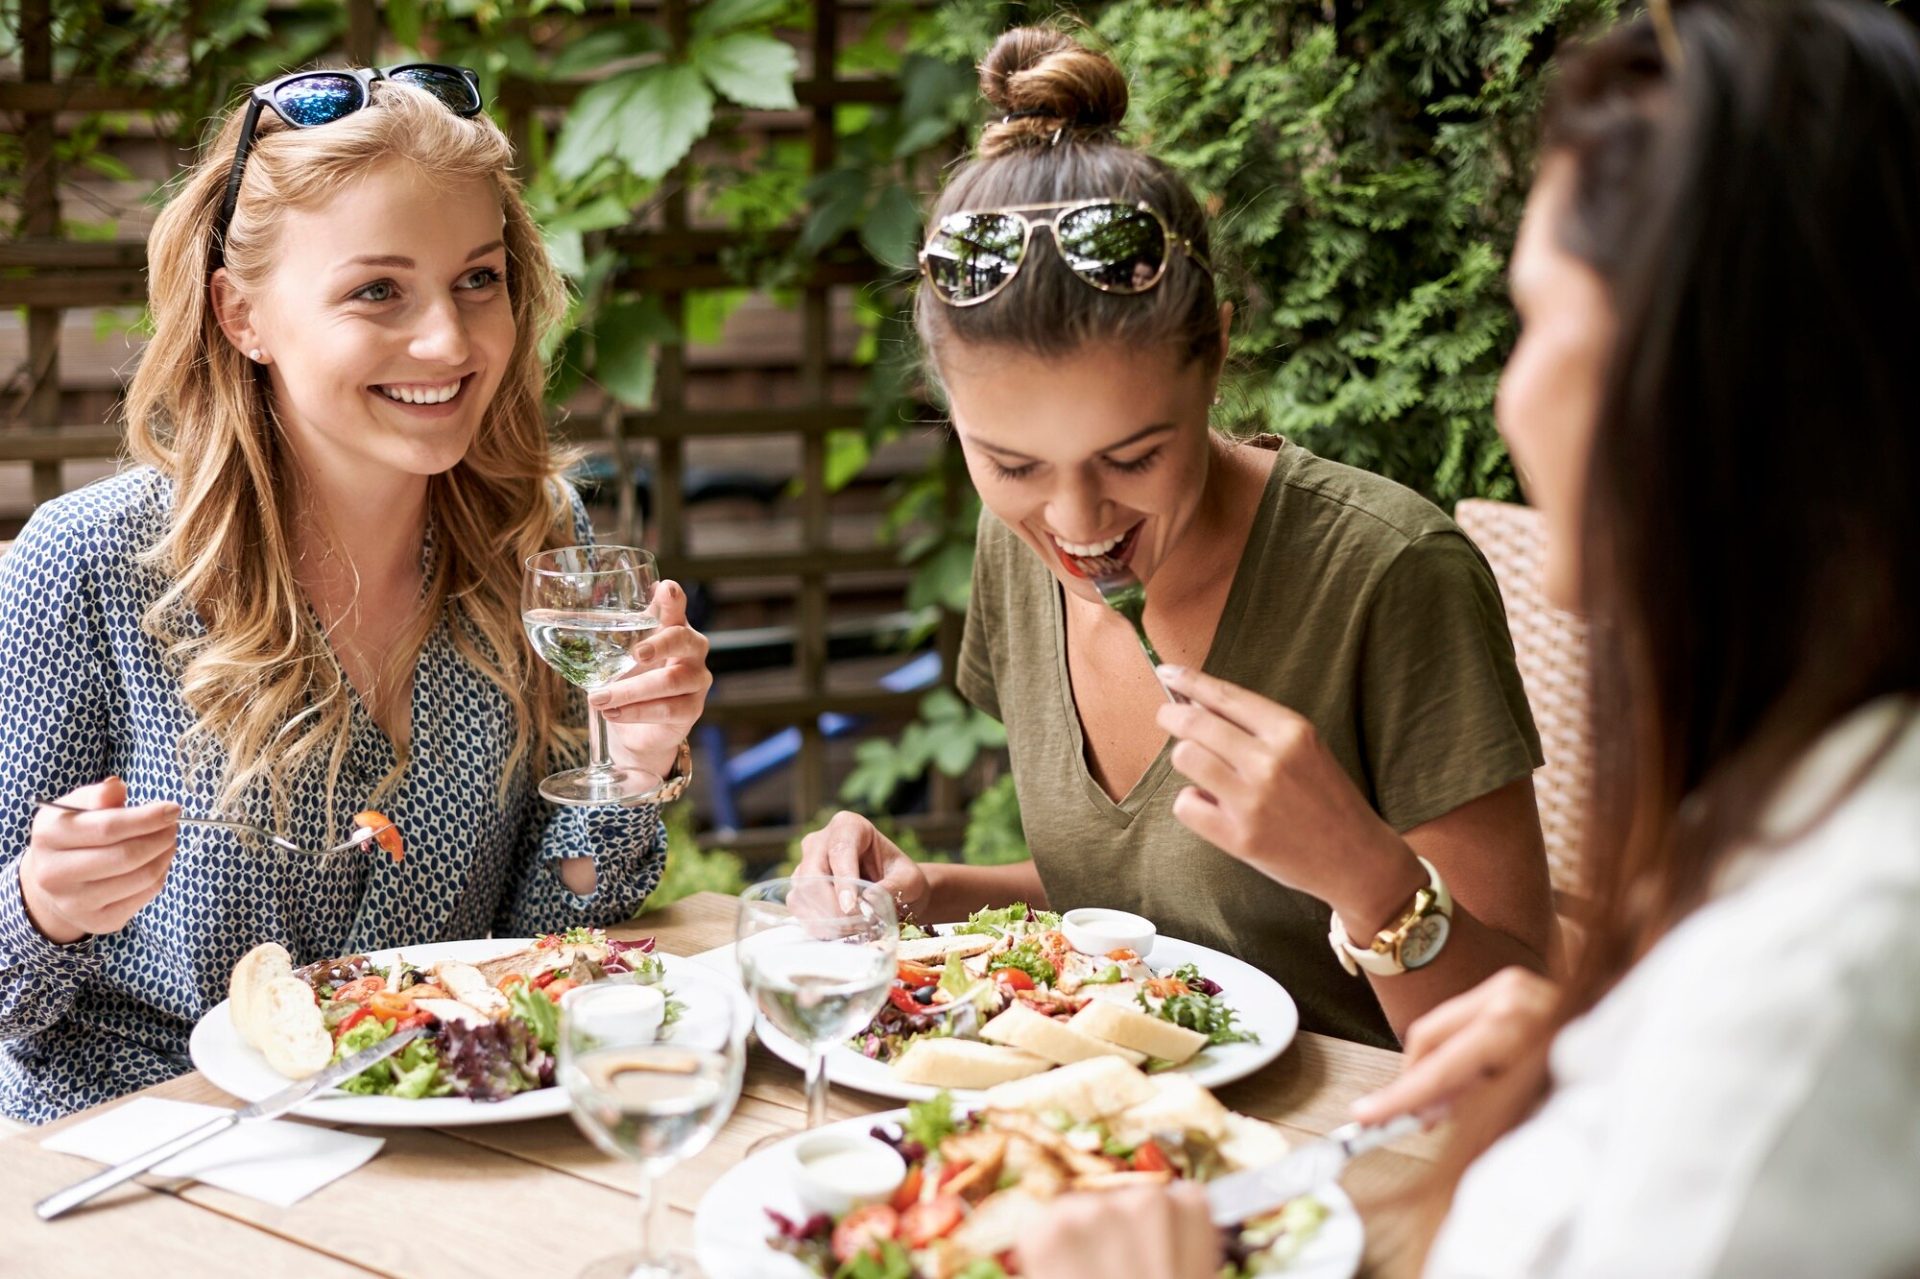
1140	1031
293	1033
1035	1032
257	969
964	1063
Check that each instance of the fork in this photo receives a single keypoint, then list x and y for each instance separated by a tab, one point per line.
1126	595
361	837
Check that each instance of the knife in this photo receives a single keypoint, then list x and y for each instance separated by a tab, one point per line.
267	1108
1242	1196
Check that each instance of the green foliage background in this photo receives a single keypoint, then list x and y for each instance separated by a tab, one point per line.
1365	167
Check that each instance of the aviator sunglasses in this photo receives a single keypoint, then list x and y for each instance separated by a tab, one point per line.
1111	245
307	99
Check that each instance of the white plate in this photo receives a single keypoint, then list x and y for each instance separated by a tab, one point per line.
730	1226
231	1065
1261	1004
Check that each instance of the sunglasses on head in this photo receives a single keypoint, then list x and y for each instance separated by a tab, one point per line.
308	99
1113	245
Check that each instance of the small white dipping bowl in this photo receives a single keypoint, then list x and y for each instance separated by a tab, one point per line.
837	1172
1095	930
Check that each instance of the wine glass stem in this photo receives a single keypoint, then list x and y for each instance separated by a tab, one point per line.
599	754
651	1260
816	1088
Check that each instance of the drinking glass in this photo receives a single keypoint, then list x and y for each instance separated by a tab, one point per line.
638	1097
816	952
586	609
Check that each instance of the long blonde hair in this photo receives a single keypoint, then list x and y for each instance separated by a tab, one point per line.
254	669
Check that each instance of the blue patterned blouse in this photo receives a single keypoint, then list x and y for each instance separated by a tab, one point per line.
84	693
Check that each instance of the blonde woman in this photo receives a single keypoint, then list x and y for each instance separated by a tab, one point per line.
303	600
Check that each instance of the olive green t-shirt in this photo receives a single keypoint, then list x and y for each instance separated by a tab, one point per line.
1356	603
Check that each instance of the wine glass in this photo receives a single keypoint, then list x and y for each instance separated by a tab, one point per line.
651	1100
816	952
586	609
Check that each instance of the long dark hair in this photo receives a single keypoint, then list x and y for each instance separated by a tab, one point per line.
1057	138
1751	542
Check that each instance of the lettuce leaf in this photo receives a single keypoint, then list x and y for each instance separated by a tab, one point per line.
541	1014
1017	917
930	1122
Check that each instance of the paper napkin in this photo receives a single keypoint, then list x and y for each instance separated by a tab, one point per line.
276	1161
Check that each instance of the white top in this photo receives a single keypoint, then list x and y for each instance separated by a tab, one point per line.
1746	1102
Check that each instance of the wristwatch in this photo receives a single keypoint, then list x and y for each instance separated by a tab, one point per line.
678	779
1411	941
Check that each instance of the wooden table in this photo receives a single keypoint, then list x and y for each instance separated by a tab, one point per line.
534	1198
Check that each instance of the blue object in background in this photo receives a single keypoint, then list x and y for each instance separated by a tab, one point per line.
773	753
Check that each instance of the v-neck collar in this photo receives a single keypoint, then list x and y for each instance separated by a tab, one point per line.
1122	812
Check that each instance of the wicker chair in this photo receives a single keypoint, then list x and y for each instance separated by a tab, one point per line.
1551	646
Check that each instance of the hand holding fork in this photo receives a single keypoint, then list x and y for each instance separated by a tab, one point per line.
92	862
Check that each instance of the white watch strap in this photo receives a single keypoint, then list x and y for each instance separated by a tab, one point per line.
1356	958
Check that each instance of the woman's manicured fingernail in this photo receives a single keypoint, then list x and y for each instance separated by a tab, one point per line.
1171	672
599	700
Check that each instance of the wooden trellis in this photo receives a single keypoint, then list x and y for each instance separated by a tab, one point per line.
46	275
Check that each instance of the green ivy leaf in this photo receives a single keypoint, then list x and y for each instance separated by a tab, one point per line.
847	456
891	230
754	70
724	15
404	22
945	579
629	39
649	118
624	337
837	195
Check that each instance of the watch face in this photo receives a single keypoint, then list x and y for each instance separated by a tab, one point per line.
1424	940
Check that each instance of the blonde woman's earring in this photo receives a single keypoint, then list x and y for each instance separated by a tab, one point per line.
257	355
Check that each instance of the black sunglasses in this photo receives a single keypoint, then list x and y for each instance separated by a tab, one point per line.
1112	245
307	99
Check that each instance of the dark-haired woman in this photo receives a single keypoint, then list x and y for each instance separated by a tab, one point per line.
1714	403
1357	732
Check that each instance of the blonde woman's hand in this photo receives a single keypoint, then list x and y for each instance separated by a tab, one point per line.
89	873
1268	791
650	710
1160	1231
1469	1038
852	846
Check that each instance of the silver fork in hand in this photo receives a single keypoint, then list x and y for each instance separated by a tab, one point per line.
361	837
1126	595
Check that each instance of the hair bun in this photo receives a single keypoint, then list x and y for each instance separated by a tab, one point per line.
1045	79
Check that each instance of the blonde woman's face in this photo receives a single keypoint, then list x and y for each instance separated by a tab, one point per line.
387	323
1103	452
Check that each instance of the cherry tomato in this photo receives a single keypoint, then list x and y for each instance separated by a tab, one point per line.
555	989
1012	979
547	978
949	1171
903	1000
511	980
416	1018
909	1192
1150	1158
360	989
387	835
921	1224
918	974
861	1229
353	1019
